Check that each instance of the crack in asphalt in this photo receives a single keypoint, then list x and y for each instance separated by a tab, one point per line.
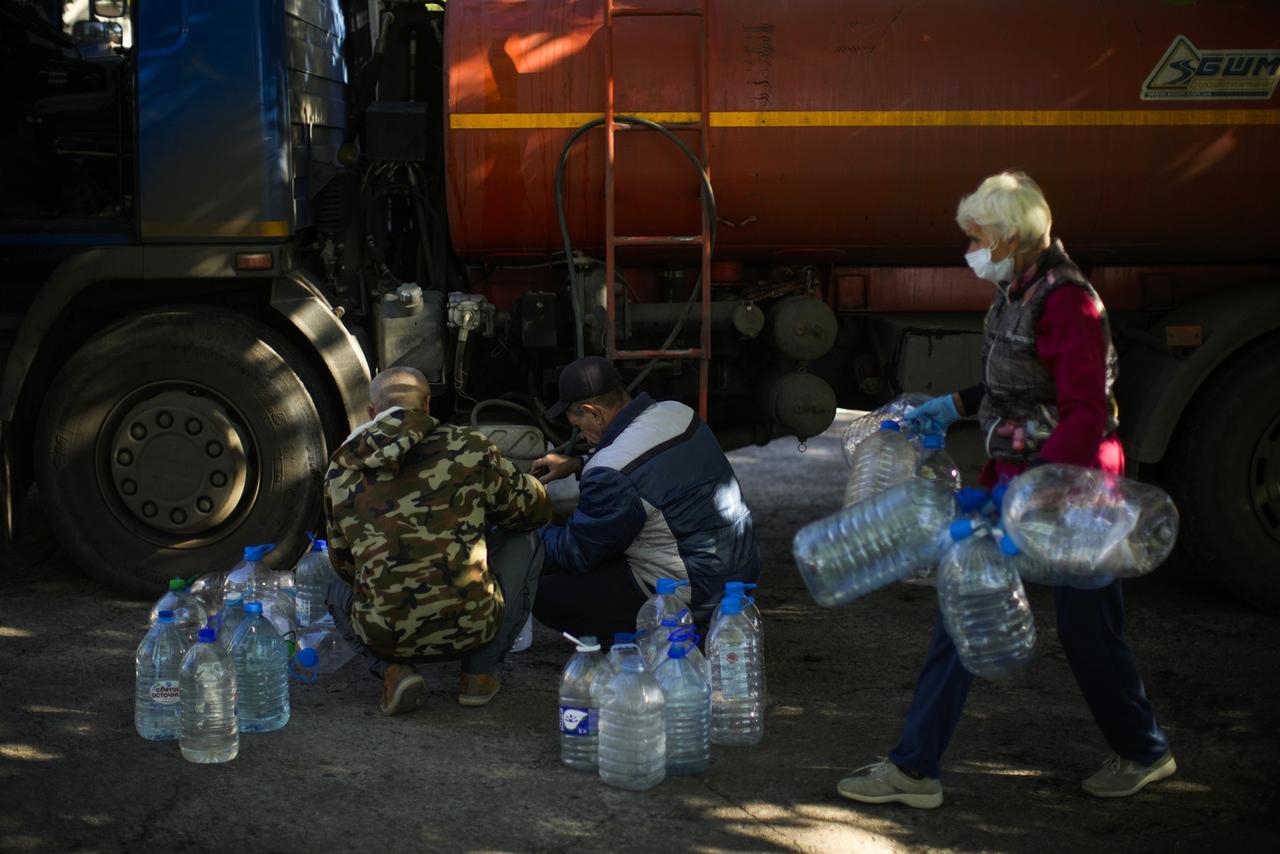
727	799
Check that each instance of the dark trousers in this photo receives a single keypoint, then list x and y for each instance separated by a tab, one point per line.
515	561
1091	628
601	603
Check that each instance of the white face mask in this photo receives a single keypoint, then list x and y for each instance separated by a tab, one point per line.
995	272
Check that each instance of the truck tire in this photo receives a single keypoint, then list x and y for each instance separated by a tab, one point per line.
1226	477
173	439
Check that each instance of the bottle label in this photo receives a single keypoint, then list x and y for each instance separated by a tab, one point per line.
733	673
575	720
164	692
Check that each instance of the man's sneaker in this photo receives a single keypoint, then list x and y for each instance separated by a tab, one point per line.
884	783
1120	778
476	689
402	688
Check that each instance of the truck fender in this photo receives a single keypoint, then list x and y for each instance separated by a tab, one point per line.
1157	382
303	305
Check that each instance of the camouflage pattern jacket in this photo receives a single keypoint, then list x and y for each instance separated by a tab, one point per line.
407	501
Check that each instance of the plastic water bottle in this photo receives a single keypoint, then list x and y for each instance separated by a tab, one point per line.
524	639
321	650
686	713
231	615
873	543
156	713
261	659
312	576
688	636
737	689
884	459
740	589
278	607
655	648
936	464
207	686
1084	519
579	705
867	425
188	614
632	743
1035	571
984	606
663	603
208	591
250	575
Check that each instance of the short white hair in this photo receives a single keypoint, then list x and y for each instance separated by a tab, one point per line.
1005	205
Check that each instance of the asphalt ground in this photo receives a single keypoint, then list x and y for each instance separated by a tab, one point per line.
74	776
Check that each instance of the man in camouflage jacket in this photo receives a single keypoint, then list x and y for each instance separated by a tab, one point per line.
411	506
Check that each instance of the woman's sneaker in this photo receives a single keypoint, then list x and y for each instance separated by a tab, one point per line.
1120	778
884	783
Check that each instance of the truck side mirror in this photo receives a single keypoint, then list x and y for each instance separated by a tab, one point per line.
110	8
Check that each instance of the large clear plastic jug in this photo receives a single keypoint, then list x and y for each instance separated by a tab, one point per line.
1085	519
875	542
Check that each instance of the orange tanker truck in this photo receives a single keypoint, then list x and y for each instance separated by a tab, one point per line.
747	205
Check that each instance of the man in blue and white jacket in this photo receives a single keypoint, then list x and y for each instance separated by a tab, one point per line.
658	499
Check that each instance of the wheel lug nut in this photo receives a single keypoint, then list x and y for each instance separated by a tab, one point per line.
128	487
218	479
178	516
214	449
194	426
164	420
138	432
149	510
124	458
203	504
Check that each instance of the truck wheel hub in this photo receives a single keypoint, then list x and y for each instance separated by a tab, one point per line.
1264	479
179	463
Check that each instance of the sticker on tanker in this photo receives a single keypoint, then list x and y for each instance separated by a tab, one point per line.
1187	73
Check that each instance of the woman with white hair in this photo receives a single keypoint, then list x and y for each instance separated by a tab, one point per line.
1048	371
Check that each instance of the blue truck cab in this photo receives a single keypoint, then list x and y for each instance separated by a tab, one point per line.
173	217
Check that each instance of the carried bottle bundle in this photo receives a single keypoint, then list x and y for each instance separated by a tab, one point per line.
865	426
203	677
638	715
1054	524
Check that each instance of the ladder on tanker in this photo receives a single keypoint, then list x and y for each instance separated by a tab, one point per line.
613	240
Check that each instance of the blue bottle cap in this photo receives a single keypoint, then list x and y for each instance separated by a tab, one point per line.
252	607
678	650
997	494
971	499
624	637
961	528
670	622
739	587
319	545
258	552
165	616
667	586
732	605
206	636
891	425
307	658
933	442
1009	547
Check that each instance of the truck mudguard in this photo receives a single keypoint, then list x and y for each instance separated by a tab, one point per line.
1170	377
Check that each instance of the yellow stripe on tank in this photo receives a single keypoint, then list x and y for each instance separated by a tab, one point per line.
888	118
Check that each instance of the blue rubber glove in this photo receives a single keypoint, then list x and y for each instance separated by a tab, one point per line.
933	416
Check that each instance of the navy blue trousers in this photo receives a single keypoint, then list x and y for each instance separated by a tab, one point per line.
1091	628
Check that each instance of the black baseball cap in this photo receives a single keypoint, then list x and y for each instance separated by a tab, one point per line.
582	380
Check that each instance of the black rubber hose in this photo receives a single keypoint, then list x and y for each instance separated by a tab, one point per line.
708	198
